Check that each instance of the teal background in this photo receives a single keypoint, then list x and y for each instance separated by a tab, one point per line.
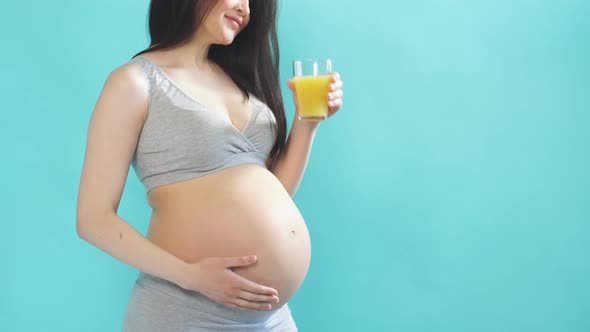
450	193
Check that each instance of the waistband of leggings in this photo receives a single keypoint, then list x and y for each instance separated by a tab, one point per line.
198	301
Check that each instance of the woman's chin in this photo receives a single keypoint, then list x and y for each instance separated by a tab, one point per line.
224	42
226	39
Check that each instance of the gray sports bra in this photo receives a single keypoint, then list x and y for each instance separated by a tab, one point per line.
183	139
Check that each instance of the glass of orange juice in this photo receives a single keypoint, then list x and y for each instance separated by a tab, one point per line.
312	78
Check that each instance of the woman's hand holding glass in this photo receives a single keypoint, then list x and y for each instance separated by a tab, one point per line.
317	90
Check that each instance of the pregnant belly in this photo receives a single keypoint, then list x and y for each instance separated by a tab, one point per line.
241	210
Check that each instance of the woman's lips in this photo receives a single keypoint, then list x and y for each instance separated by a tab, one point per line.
233	22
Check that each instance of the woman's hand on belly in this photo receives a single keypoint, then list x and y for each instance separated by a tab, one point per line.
212	277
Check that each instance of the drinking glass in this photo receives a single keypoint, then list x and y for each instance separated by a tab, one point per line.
312	78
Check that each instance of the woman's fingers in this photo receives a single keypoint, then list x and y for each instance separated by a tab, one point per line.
336	85
252	287
243	304
290	85
335	95
336	102
247	300
238	261
248	296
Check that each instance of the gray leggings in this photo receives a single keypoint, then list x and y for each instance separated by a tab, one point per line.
157	304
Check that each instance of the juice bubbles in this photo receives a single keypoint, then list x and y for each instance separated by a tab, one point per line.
312	96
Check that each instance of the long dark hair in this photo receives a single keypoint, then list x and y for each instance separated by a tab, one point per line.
251	60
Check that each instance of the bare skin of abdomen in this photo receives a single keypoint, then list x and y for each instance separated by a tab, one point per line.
238	211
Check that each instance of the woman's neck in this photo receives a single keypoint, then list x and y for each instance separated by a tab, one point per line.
193	53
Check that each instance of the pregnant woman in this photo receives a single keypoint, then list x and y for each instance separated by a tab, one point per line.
200	117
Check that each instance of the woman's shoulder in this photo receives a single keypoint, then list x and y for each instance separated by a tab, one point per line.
125	87
130	75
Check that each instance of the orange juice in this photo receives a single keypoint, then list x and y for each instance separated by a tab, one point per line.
312	96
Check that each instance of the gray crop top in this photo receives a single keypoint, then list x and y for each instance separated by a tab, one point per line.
182	139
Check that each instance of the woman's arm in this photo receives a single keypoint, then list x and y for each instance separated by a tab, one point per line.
292	161
113	134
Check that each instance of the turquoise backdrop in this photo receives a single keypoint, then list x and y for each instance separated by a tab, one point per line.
451	192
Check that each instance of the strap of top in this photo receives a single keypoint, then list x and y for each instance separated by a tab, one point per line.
148	70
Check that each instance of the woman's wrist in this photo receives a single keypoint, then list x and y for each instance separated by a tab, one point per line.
181	274
305	124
